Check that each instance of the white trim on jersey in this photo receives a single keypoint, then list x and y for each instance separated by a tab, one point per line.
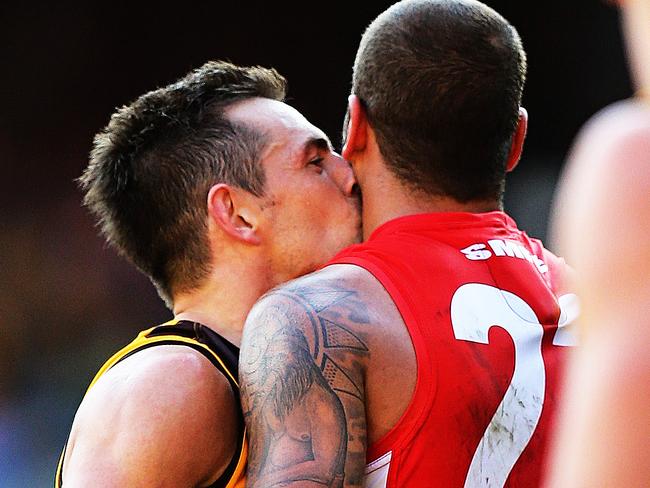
376	472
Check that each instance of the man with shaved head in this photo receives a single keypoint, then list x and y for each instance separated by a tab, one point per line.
430	355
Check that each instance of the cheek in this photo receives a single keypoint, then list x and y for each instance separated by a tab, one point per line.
323	209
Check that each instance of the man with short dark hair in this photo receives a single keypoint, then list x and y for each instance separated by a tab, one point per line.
218	191
430	355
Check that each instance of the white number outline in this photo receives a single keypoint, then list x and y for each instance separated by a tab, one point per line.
475	309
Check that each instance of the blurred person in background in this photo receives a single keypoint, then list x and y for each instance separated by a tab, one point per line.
432	354
217	191
602	225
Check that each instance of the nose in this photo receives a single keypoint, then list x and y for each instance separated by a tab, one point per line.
343	175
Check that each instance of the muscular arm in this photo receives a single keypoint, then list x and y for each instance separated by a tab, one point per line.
302	370
163	417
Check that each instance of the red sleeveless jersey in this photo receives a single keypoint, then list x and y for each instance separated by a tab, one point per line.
486	312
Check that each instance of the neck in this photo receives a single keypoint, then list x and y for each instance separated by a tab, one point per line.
225	299
385	198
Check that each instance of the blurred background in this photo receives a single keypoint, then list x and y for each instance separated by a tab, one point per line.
67	302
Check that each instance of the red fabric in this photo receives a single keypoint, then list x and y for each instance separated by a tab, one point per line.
460	383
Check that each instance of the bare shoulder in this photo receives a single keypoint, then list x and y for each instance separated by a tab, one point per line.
336	306
315	354
347	318
163	416
327	309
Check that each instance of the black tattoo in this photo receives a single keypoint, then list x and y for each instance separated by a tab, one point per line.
302	386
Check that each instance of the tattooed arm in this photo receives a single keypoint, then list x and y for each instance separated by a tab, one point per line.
302	367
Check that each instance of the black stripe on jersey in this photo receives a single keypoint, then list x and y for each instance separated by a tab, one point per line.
227	352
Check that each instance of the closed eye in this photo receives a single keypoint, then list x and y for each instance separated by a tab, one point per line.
317	162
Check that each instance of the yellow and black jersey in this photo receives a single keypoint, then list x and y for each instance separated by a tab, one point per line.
221	353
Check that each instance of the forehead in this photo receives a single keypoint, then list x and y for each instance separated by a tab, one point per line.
282	124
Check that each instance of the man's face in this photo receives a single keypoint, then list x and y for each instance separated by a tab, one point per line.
310	209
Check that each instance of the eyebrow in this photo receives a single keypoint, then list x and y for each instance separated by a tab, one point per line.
318	142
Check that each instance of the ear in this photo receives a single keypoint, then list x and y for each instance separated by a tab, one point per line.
517	145
357	128
232	211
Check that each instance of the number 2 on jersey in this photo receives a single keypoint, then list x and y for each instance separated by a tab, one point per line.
475	308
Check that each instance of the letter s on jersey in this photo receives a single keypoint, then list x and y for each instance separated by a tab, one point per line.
476	252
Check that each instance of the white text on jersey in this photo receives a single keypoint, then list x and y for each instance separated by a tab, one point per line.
500	247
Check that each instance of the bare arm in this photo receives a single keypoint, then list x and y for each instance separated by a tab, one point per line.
162	417
302	370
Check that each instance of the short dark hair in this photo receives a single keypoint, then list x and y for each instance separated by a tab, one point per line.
152	167
441	81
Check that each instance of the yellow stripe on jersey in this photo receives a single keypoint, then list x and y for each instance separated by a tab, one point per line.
142	340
